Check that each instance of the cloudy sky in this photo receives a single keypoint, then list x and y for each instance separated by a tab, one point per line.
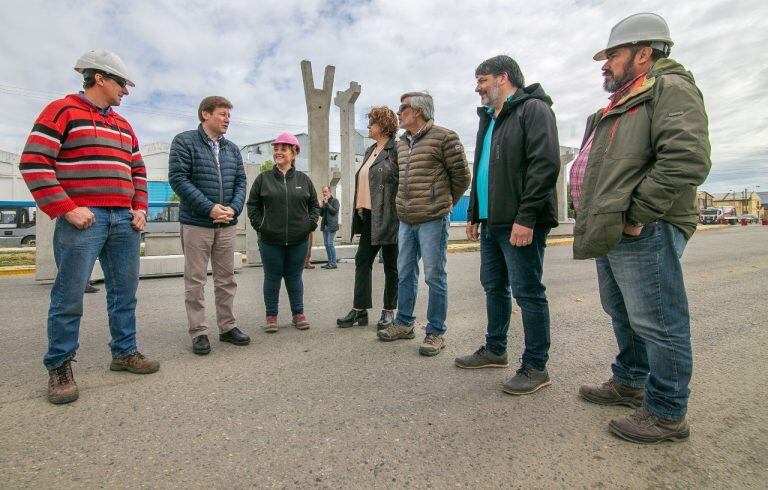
249	51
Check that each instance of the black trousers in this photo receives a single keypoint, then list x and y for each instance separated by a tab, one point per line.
366	255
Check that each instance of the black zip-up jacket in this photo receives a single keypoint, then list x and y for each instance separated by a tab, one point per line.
524	162
283	209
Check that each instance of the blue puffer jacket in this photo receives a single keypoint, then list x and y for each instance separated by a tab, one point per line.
199	183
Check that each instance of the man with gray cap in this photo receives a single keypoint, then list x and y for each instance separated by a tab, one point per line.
83	166
634	192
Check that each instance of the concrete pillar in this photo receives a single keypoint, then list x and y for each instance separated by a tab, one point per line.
45	265
251	238
346	102
318	107
566	155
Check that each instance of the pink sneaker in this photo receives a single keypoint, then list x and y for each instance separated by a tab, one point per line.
300	321
271	324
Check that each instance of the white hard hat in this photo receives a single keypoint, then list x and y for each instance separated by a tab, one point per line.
637	28
106	61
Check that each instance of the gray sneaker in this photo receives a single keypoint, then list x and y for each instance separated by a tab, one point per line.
644	427
612	392
526	381
396	331
482	358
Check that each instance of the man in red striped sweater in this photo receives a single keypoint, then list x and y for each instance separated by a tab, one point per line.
84	169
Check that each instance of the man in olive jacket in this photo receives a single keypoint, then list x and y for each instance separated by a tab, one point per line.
511	209
433	175
634	192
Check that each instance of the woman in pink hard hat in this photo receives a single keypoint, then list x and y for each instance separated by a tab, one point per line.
283	209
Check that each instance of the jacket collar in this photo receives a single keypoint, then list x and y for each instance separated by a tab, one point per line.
206	139
410	139
288	174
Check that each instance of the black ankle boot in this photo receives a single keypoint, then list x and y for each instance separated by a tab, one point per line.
387	317
359	317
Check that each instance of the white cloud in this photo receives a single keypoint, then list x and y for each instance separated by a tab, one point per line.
249	52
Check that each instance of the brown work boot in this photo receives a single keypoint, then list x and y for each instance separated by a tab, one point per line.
644	427
135	363
432	344
61	384
612	392
396	331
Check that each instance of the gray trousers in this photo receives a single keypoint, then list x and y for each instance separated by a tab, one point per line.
201	244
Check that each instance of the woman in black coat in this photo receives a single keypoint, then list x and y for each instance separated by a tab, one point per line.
283	209
375	220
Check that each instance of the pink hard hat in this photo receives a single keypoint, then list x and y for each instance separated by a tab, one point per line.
288	139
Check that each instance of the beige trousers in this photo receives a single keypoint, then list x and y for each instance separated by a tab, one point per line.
201	244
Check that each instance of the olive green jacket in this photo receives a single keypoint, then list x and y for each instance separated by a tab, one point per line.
649	154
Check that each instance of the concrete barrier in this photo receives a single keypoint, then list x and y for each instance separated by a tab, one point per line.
168	265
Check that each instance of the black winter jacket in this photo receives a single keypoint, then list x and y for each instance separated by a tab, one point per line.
283	209
524	162
329	213
383	182
200	183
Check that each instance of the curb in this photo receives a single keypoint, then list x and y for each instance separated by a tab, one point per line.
17	270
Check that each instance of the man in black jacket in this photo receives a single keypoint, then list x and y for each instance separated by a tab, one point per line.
329	225
206	171
511	210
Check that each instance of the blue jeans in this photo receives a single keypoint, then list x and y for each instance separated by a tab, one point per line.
506	272
642	289
429	241
283	262
116	244
330	250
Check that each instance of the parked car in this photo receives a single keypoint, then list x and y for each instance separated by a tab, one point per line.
751	218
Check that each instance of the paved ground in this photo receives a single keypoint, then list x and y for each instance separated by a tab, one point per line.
337	408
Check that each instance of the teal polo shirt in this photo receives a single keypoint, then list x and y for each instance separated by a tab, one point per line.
484	164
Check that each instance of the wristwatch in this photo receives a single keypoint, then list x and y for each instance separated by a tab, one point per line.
634	223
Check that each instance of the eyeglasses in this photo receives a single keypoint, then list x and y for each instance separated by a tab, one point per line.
404	107
116	79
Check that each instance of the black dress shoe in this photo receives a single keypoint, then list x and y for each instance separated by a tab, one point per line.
387	317
359	317
200	345
235	336
90	288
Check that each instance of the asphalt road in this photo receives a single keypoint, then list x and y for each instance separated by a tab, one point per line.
337	408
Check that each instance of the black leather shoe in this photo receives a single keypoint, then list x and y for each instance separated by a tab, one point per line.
235	336
359	317
387	317
200	345
90	288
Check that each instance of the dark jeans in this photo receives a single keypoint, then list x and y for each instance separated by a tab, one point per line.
113	240
364	258
505	272
642	289
283	262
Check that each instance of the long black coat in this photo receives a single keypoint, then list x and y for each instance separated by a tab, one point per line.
382	179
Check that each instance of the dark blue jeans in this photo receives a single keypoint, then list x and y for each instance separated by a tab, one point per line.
328	238
506	272
116	244
642	289
283	262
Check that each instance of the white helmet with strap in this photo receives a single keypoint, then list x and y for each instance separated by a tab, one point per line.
106	61
638	28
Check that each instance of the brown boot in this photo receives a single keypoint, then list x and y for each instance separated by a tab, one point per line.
612	392
135	363
644	427
61	384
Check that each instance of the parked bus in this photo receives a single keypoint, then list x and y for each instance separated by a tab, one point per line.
17	221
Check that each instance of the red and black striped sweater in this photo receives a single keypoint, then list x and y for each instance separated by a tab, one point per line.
77	156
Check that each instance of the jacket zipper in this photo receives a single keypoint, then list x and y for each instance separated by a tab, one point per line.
218	172
285	185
